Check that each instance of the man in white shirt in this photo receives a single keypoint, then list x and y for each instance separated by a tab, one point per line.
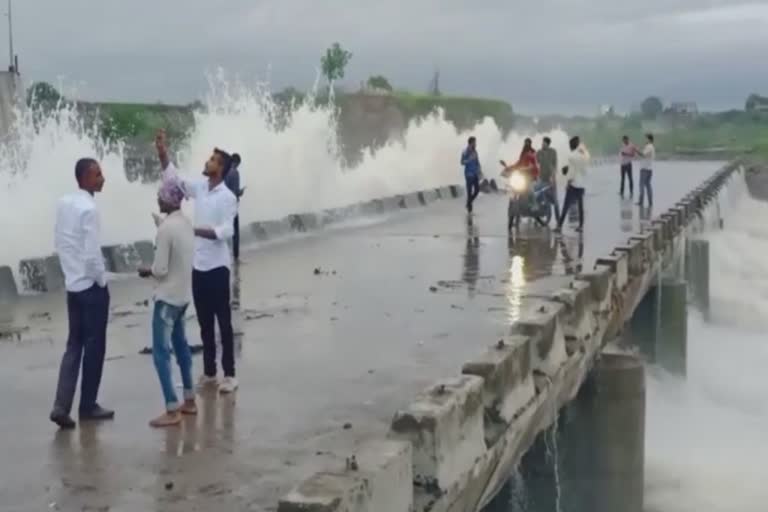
78	244
576	171
646	170
215	211
172	268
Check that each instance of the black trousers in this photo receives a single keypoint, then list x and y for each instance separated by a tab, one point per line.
236	239
626	173
88	313
210	291
473	189
572	195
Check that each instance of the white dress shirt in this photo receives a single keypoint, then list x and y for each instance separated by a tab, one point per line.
77	239
215	209
649	157
578	161
172	267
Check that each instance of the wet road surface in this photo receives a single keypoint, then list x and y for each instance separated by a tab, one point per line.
324	359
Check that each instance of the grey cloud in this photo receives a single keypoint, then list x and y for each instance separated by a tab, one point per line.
565	52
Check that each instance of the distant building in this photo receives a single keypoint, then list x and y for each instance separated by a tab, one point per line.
757	103
686	108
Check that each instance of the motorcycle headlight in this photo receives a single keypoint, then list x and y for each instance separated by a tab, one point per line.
517	182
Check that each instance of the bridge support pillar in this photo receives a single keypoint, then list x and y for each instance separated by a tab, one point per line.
596	461
697	273
618	441
672	343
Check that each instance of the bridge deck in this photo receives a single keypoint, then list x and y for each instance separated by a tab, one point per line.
399	303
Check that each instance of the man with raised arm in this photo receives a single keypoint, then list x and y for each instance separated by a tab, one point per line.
215	211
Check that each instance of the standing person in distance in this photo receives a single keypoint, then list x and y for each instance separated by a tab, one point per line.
472	171
233	182
646	170
171	269
78	244
215	211
576	171
547	158
627	152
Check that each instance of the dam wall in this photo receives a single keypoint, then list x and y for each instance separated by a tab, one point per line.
461	437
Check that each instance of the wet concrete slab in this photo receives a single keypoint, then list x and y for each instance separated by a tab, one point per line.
339	331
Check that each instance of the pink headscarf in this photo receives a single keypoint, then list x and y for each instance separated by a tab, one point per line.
171	191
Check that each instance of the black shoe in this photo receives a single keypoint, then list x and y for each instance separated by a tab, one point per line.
98	413
64	421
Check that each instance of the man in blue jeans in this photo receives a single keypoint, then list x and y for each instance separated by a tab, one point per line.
172	269
471	163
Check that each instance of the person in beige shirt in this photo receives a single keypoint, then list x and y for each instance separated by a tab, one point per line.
172	270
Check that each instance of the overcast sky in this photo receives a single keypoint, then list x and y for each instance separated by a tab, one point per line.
542	56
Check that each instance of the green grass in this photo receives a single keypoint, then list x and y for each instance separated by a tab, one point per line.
735	131
464	112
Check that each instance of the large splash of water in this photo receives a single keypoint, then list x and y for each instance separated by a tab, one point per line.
705	446
287	170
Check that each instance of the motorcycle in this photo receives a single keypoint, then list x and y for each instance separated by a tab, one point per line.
527	198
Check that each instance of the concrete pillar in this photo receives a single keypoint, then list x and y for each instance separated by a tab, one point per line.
618	413
697	273
672	342
644	325
595	463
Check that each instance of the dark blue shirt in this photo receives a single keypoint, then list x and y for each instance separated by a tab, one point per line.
471	163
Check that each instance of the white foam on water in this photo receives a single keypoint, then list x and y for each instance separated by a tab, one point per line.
289	170
706	446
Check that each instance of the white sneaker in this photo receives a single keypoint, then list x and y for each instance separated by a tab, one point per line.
228	385
205	382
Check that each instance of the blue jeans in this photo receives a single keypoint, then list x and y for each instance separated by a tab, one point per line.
473	189
645	186
167	331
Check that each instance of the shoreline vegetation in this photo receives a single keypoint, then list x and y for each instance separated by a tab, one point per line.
695	134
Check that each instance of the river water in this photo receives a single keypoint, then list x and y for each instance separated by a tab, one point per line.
705	435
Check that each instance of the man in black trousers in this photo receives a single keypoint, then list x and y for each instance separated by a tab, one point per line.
78	244
215	212
232	180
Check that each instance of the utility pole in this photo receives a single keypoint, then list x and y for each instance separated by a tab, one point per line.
12	66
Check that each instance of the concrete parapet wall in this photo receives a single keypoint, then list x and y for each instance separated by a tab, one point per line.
469	433
444	424
43	274
378	478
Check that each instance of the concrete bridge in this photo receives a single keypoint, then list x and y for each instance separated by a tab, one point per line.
403	361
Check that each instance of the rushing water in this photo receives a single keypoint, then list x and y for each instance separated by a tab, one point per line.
287	170
705	448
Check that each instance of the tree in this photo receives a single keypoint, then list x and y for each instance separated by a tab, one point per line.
651	107
379	82
42	94
334	63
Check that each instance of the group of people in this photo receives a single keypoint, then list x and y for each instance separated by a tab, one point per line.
541	166
628	153
192	262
